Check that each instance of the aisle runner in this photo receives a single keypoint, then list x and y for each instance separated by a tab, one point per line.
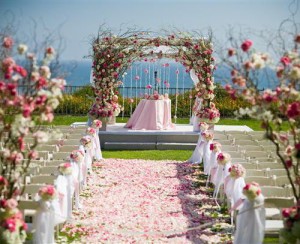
143	201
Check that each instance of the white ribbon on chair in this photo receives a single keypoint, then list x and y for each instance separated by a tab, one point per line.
61	184
197	155
250	226
213	164
98	153
206	156
221	173
75	182
44	223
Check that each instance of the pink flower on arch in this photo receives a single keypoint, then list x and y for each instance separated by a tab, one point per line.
7	42
285	60
246	45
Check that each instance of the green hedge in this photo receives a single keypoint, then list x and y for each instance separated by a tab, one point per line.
81	100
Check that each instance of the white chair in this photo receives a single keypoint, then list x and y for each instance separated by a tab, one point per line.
254	172
51	170
68	148
42	179
61	155
262	181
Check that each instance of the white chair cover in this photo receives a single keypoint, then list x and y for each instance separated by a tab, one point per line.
213	164
76	181
206	156
98	153
219	177
44	223
65	186
197	155
251	222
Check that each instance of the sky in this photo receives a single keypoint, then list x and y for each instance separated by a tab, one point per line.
79	20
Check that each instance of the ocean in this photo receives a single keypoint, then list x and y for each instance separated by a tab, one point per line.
78	74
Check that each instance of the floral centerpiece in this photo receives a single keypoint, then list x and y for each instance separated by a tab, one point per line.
209	114
223	158
12	226
236	171
86	141
291	221
77	156
47	193
65	168
208	136
251	191
215	147
155	96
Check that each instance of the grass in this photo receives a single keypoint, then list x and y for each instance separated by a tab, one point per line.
180	155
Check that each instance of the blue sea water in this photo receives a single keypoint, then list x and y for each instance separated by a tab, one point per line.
78	74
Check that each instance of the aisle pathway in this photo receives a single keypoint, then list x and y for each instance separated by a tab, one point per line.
139	201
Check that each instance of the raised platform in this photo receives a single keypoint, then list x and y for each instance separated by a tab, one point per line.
116	137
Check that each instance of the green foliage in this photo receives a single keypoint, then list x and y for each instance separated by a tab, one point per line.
81	100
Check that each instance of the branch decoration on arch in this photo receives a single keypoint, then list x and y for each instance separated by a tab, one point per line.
113	55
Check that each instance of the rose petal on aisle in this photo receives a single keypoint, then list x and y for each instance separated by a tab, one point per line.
129	201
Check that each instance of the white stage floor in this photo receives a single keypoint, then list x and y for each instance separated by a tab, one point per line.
180	128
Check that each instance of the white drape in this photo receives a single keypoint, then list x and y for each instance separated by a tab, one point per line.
197	155
251	222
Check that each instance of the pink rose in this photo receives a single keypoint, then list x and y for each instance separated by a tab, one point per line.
293	110
285	60
246	45
11	203
10	224
7	42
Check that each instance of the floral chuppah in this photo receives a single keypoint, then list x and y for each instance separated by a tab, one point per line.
113	55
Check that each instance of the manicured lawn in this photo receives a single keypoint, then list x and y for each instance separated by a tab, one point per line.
180	155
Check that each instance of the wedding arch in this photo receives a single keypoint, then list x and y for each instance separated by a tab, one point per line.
114	54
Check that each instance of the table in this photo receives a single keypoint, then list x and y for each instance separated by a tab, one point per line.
151	115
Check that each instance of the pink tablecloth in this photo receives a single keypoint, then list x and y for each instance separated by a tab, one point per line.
151	115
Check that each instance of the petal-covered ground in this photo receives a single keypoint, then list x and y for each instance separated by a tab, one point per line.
143	201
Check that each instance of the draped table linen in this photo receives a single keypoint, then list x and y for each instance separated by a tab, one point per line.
151	115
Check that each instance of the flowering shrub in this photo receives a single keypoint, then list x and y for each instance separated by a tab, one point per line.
208	136
77	156
12	226
223	158
215	147
28	98
86	141
65	168
251	191
273	107
291	221
236	171
47	193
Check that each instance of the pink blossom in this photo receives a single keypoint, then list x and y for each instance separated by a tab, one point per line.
293	110
33	154
231	52
246	45
3	181
10	224
136	77
50	50
7	42
149	86
285	60
11	204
